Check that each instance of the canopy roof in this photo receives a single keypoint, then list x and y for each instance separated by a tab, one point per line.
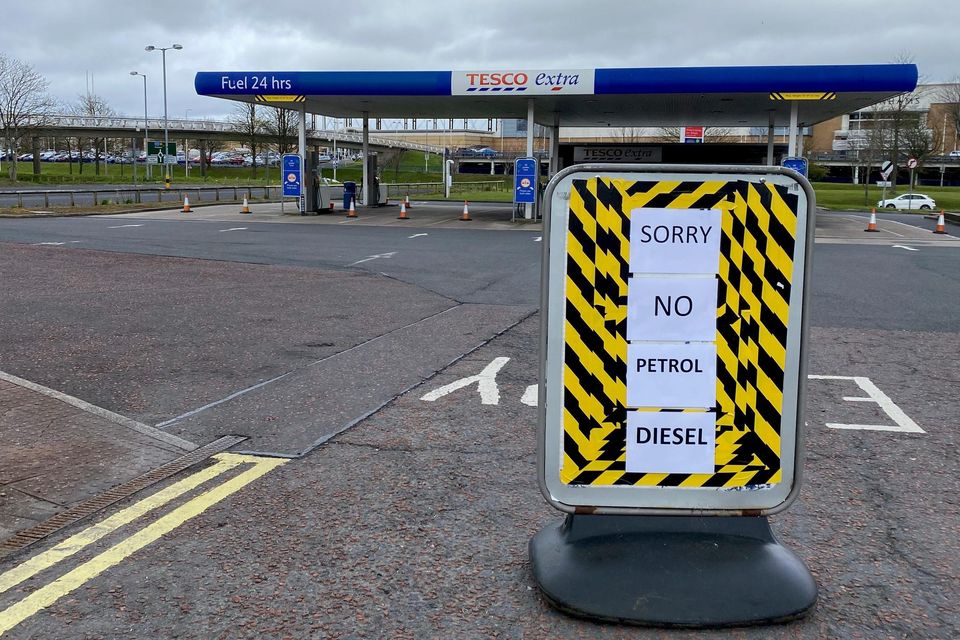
711	96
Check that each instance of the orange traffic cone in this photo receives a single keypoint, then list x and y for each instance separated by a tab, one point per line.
352	213
186	205
406	200
466	212
872	225
246	207
941	224
403	211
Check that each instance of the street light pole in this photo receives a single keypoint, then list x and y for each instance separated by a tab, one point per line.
146	129
166	130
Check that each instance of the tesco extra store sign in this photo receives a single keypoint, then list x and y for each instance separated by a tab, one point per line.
523	81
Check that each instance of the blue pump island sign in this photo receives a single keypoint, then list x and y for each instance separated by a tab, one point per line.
292	165
525	181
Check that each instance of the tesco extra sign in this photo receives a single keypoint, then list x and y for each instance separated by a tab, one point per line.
530	82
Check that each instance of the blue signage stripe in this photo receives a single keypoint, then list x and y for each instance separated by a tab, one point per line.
323	83
893	78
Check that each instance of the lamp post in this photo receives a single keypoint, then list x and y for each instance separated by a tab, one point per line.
146	131
166	131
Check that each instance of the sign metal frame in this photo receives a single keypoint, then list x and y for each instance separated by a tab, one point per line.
673	500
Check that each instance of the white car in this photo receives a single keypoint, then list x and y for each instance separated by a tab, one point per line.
908	201
954	154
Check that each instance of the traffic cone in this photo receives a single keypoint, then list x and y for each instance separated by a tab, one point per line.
872	225
352	213
186	205
403	211
466	212
941	224
246	207
406	200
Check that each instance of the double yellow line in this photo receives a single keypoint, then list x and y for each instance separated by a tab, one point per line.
53	591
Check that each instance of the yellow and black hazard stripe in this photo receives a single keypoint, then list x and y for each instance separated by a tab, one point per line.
759	229
806	95
279	98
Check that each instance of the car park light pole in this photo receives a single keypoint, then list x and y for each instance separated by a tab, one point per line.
146	128
166	131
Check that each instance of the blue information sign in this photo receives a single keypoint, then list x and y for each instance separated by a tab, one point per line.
525	180
797	164
292	165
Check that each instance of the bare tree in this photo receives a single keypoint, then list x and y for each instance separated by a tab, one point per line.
281	126
97	111
919	142
898	111
629	134
949	95
710	134
870	150
248	123
24	102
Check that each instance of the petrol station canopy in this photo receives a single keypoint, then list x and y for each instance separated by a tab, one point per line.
711	96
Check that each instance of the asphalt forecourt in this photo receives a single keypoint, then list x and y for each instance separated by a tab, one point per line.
415	522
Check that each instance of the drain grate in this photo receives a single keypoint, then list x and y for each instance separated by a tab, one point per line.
107	498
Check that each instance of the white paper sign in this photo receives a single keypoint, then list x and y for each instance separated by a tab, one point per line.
672	375
671	442
674	241
682	309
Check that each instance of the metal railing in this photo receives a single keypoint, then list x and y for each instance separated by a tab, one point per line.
119	195
420	188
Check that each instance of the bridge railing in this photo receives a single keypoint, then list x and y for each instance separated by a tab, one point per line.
66	121
25	199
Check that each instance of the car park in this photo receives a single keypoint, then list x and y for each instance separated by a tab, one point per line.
908	201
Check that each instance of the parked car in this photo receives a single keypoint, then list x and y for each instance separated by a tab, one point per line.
954	154
908	201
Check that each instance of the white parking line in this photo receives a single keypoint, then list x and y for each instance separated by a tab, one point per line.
417	235
123	226
900	246
379	255
234	229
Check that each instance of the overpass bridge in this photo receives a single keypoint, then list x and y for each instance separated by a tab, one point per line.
120	127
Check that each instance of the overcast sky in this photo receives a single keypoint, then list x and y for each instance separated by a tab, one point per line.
68	41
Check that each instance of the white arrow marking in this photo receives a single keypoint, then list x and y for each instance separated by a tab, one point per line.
234	229
900	246
122	226
486	382
417	235
529	396
379	255
49	244
538	239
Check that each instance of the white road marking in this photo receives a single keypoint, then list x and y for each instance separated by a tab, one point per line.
486	382
900	246
893	233
123	226
417	235
379	255
49	244
874	394
234	229
538	239
529	396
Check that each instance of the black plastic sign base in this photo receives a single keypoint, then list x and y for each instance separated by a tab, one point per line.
671	571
